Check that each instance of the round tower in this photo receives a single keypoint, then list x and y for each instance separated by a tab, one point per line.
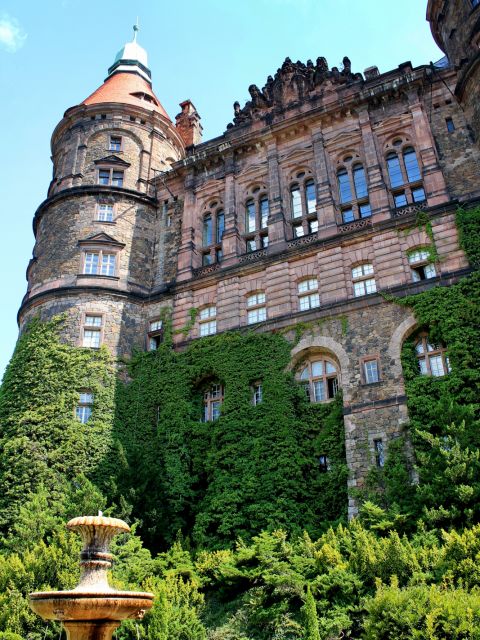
96	233
455	26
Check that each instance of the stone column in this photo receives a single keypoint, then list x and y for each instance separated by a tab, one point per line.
276	219
187	251
377	190
325	204
231	238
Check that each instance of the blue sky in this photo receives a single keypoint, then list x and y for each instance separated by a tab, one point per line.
54	53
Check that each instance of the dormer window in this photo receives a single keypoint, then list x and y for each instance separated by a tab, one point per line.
99	256
113	177
111	170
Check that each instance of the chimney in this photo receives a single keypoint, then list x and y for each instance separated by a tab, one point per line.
188	124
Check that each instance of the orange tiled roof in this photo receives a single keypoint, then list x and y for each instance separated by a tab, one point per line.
119	88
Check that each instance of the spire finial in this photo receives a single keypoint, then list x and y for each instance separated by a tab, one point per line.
136	29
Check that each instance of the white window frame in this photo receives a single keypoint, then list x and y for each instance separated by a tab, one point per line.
256	307
363	280
308	295
92	330
106	268
105	212
207	321
83	410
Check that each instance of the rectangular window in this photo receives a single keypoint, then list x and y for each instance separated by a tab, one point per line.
418	195
115	143
310	197
370	371
92	331
91	263
251	246
251	217
313	226
296	202
323	464
117	178
105	212
379	453
108	264
344	187
450	123
364	287
208	322
155	334
104	176
257	394
93	321
100	263
400	199
298	230
257	315
436	366
83	410
394	171
264	242
264	213
365	210
347	216
309	302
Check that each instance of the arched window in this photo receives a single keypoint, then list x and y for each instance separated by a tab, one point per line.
363	280
432	358
405	175
213	228
212	402
353	191
319	379
303	204
256	220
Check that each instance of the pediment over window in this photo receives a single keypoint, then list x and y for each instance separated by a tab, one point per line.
101	239
112	160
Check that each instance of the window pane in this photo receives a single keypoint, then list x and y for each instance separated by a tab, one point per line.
206	259
436	366
370	285
298	230
317	369
430	271
216	410
156	325
117	178
251	223
308	285
93	321
344	188
313	226
207	231
418	195
264	241
208	328
371	371
394	170
208	312
251	246
365	210
108	264
91	263
257	394
422	365
411	165
319	391
329	368
418	256
400	200
360	181
91	338
358	289
86	397
296	202
105	212
104	176
264	211
220	226
347	215
304	374
83	414
310	197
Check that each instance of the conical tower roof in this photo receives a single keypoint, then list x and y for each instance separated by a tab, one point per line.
129	80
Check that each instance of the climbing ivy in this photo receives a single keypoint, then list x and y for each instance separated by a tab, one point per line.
255	467
41	441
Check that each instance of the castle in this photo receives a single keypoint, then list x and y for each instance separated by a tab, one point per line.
305	211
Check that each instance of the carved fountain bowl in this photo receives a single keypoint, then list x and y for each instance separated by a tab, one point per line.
75	605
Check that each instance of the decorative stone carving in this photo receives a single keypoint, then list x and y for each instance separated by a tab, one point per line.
298	242
294	83
251	257
203	271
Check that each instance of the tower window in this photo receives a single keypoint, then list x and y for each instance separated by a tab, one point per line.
105	212
83	409
115	143
112	177
99	263
213	228
92	331
370	371
405	176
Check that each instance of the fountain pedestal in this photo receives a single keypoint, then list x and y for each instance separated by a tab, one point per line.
93	610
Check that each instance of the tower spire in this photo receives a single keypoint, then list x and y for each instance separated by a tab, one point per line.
136	29
132	58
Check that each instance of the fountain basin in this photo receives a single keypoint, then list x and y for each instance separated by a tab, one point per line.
75	605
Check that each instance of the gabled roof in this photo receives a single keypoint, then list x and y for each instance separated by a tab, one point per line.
101	238
112	159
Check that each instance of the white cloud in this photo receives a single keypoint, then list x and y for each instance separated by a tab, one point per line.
12	36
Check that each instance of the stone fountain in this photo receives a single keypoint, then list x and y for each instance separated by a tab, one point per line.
93	610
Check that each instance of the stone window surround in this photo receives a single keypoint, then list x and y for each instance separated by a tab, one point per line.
84	325
100	247
368	358
111	168
349	162
362	278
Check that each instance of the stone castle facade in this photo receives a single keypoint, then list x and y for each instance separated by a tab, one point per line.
303	212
